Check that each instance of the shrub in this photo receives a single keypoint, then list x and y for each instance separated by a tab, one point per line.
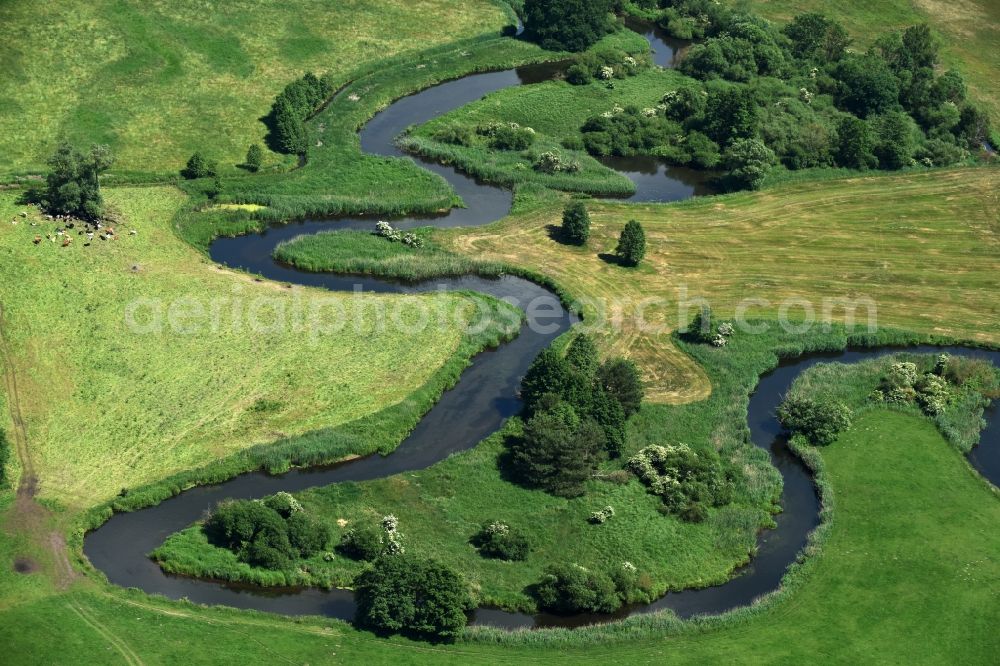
284	503
695	512
631	244
550	162
307	535
569	588
603	515
458	135
511	137
4	457
291	107
576	223
578	74
254	158
72	186
198	167
681	477
498	540
361	543
819	422
422	598
566	25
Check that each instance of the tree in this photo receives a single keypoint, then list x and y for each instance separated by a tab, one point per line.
897	139
255	156
748	162
558	451
920	48
867	85
566	25
307	535
288	128
608	413
569	588
548	373
856	144
198	167
731	113
817	37
582	355
576	223
819	422
403	594
73	187
631	244
621	379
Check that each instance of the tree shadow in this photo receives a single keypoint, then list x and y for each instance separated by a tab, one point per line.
610	258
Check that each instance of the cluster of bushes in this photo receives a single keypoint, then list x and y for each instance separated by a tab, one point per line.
499	540
796	97
686	481
567	25
570	588
603	64
818	421
418	597
271	533
369	543
936	389
577	409
552	162
293	105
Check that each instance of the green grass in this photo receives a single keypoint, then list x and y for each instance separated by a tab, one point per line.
108	406
441	508
360	252
160	80
921	245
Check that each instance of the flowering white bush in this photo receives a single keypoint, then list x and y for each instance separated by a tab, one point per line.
390	523
805	95
606	72
902	374
719	340
650	111
726	329
412	240
602	516
551	162
628	567
498	527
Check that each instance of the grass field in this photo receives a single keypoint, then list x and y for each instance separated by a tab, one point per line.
160	80
911	552
108	406
922	246
969	30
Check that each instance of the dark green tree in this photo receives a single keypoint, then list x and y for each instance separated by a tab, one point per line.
576	223
255	157
198	167
569	588
819	422
621	379
558	451
404	594
566	25
856	144
307	535
731	113
867	85
548	373
631	244
72	186
582	355
288	128
898	139
814	36
608	413
499	540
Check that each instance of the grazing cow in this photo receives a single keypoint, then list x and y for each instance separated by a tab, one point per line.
38	239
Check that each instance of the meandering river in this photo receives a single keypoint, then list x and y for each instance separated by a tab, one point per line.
483	398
